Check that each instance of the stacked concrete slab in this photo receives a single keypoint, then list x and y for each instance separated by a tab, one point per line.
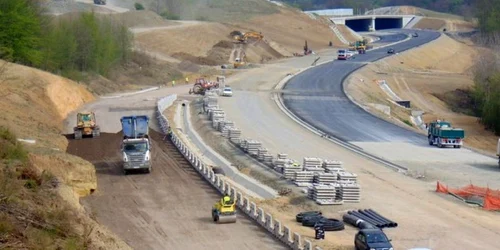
251	146
325	194
332	166
280	162
263	219
350	192
329	175
312	162
289	170
261	152
346	177
303	178
234	135
325	178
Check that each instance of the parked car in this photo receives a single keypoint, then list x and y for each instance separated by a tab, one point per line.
391	51
372	239
227	91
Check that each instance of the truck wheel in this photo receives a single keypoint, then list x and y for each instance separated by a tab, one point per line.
430	140
148	170
125	172
458	146
78	135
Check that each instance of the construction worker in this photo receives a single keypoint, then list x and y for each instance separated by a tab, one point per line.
187	80
169	131
319	230
173	83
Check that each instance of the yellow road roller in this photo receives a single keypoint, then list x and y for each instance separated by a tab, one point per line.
224	211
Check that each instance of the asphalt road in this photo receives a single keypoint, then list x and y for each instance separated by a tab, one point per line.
317	97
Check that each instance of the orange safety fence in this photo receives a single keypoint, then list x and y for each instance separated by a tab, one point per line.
491	198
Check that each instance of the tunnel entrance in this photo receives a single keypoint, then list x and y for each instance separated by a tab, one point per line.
359	25
388	23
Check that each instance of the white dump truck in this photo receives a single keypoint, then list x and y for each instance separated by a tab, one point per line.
136	147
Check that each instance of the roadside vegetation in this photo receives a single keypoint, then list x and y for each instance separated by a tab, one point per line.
486	92
32	215
72	46
483	99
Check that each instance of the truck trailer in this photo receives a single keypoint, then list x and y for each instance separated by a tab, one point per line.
136	146
442	134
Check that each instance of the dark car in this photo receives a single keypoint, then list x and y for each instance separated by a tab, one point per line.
390	51
415	34
368	239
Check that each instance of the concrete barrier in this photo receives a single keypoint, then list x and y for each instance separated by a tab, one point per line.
274	227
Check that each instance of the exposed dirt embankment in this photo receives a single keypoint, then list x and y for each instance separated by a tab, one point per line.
421	76
440	24
33	106
284	33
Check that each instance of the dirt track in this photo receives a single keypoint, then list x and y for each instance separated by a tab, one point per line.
167	209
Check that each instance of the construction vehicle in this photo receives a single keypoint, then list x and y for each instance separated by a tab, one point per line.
360	46
442	134
243	37
238	63
224	211
201	85
136	147
102	2
307	51
86	125
498	152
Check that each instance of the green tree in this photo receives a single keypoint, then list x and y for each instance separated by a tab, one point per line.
138	6
20	31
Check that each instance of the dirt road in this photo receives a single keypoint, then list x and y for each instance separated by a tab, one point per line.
167	209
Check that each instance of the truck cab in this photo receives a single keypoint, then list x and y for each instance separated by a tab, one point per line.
442	134
136	146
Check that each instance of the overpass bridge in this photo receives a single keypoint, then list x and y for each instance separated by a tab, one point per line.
374	22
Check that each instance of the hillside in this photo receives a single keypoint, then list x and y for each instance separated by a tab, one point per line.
202	10
33	106
430	77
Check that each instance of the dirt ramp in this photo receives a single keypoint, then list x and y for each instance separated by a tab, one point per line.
106	146
166	209
430	23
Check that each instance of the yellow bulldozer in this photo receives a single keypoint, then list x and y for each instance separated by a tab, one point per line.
86	126
224	211
243	37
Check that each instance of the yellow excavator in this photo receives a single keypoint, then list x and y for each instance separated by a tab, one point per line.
86	125
243	38
360	46
224	211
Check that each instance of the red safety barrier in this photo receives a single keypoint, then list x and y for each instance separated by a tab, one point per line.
491	198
